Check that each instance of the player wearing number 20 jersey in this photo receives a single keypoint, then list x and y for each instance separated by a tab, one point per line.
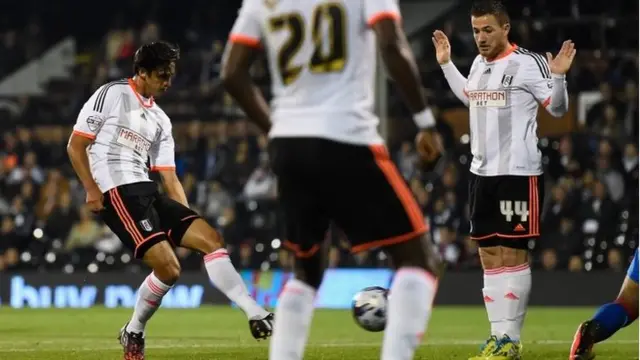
323	61
331	162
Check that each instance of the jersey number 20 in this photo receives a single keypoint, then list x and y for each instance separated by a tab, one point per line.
326	58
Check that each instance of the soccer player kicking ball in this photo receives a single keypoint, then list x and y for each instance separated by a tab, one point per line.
117	130
505	86
609	318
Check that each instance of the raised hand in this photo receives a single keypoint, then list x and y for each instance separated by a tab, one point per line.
562	62
443	48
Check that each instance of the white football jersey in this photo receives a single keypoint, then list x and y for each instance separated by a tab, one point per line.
322	59
126	129
503	97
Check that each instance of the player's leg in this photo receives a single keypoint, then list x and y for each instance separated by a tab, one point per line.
609	318
188	230
378	210
506	295
134	220
519	201
306	225
505	217
481	214
166	270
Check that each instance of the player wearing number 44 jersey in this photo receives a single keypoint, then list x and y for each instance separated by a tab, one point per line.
117	130
330	160
505	86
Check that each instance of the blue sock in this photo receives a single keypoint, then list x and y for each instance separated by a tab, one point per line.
611	317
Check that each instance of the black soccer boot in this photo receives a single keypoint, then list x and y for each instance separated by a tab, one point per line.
132	344
261	329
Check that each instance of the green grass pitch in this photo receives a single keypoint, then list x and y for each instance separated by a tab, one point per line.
222	333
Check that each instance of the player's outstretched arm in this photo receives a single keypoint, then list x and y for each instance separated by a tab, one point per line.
545	79
557	103
237	81
455	79
402	68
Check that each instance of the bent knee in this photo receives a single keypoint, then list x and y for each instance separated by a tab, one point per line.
490	257
514	257
169	271
628	295
206	240
212	241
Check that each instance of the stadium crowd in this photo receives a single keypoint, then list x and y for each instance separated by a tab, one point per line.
590	218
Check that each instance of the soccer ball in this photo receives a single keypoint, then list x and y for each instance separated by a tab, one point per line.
369	308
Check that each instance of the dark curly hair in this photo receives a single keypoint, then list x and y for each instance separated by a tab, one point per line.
157	55
490	7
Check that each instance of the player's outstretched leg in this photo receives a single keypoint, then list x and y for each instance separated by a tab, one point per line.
295	306
201	237
609	318
166	271
411	296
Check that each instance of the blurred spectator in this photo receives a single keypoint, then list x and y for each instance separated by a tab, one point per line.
595	116
28	170
61	219
407	160
262	183
84	233
549	259
10	242
629	110
216	201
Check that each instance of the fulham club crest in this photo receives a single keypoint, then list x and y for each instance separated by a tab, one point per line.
146	225
506	80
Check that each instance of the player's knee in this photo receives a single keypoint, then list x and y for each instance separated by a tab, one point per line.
208	240
490	257
514	256
168	272
628	298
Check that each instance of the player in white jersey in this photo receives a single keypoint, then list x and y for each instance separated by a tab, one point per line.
330	160
117	130
504	88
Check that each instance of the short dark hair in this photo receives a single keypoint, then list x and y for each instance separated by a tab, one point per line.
157	55
490	7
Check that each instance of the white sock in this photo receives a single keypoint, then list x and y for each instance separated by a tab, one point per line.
516	295
148	301
225	277
293	319
410	301
495	283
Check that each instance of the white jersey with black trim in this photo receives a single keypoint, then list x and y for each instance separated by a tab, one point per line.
503	96
322	58
126	129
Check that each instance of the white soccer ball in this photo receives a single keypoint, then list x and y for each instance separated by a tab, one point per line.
369	308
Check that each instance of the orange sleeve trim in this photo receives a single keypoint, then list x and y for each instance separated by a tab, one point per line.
546	102
383	15
244	40
163	168
84	134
